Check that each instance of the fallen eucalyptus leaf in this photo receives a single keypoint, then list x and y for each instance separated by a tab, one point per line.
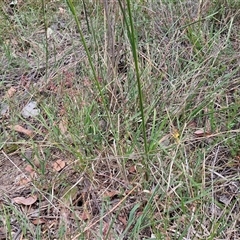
30	110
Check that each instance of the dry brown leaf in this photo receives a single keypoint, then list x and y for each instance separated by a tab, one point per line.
132	169
111	194
31	171
123	220
192	124
63	126
25	201
58	165
38	221
23	130
29	168
36	161
201	133
11	91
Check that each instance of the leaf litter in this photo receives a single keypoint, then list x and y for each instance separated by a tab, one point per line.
30	110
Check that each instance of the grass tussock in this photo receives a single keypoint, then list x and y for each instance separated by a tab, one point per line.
134	133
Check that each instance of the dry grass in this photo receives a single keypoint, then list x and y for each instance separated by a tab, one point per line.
185	185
